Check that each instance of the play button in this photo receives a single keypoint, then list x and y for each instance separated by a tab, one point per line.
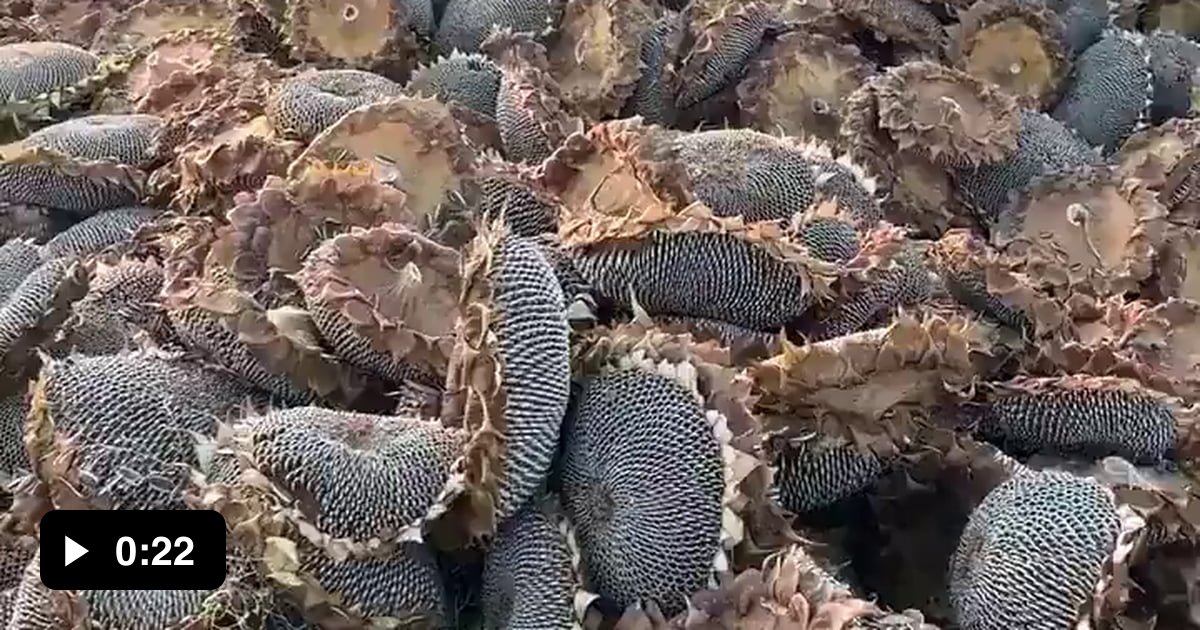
72	551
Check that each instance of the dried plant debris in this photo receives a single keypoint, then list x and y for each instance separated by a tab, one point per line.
415	144
211	176
305	105
675	395
508	384
335	532
152	19
46	179
797	85
1110	90
595	53
471	80
1043	145
384	300
465	24
530	105
1082	416
119	309
1019	46
1085	228
528	581
866	374
42	79
98	232
723	36
749	275
947	115
125	431
653	97
363	34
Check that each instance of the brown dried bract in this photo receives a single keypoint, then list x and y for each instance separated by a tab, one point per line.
373	35
797	84
152	19
617	168
1158	345
1087	230
707	370
1020	47
946	114
591	229
173	70
74	21
594	54
1153	154
465	513
863	375
416	144
206	178
396	288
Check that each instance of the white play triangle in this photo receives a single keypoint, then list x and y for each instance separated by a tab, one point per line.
73	551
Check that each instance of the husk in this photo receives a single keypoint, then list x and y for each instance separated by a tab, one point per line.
265	521
364	276
415	143
151	19
796	85
864	375
1100	260
595	53
712	24
750	519
1158	341
947	115
465	512
380	40
1029	37
817	277
529	89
